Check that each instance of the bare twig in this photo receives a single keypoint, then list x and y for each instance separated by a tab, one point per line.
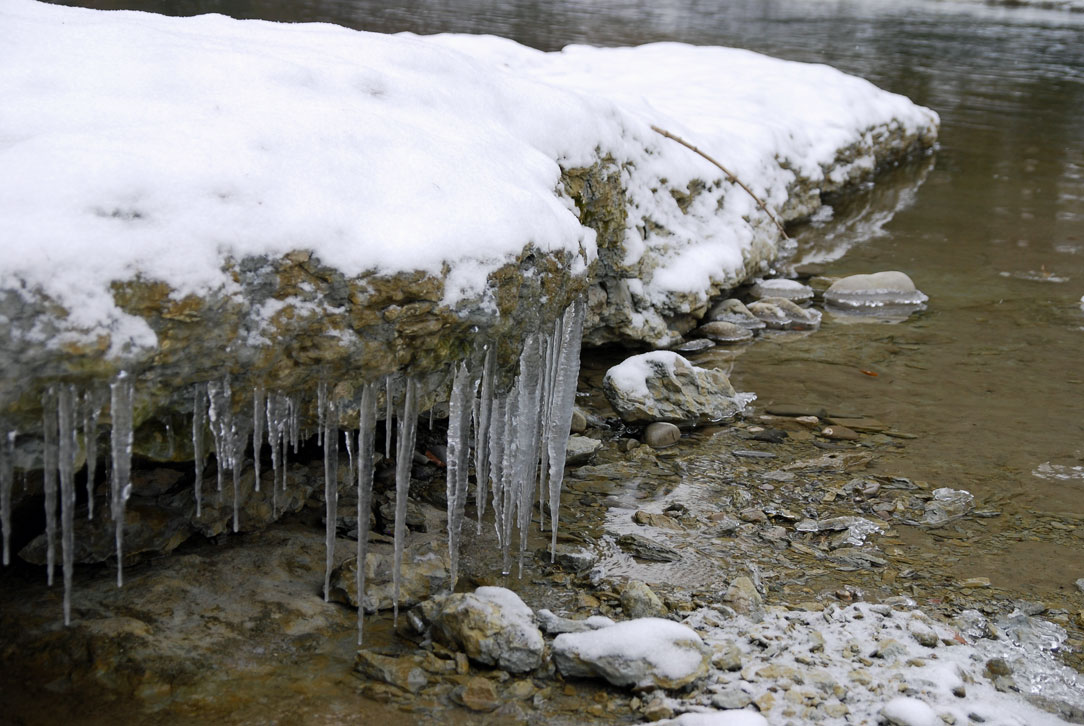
729	175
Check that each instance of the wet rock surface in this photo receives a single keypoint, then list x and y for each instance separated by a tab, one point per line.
665	387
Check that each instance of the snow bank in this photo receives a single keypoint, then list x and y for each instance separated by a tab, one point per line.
137	145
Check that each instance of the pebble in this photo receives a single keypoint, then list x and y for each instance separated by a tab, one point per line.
579	421
479	694
727	657
731	698
660	434
839	433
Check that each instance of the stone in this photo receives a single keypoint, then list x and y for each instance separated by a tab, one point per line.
743	597
780	314
663	386
402	672
839	433
731	697
721	331
581	449
727	657
1080	584
640	601
998	667
644	653
575	558
579	421
696	345
555	625
787	289
654	519
647	549
478	694
425	572
492	626
660	435
734	311
879	289
656	710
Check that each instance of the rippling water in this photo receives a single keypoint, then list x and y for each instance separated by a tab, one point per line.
990	379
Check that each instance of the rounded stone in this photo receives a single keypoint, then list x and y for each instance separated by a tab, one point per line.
786	289
579	421
878	289
723	332
780	314
735	311
660	434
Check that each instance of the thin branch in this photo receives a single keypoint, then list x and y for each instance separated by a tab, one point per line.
729	175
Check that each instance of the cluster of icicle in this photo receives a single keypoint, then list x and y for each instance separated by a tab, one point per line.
520	439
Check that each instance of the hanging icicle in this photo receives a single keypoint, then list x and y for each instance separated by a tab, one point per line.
7	480
49	479
92	411
389	415
481	433
563	401
366	452
404	458
331	488
199	423
67	447
459	412
258	413
121	413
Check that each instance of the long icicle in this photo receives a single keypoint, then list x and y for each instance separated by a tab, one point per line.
49	479
564	400
92	411
481	435
7	480
404	458
199	423
121	413
258	406
389	415
531	380
366	445
459	412
66	415
331	488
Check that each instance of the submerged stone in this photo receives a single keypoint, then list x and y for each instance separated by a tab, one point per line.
724	332
734	311
781	314
787	289
890	295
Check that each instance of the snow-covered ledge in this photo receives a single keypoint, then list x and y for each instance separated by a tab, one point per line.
192	194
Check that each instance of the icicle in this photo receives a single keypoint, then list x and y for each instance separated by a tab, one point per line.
321	411
49	474
389	417
348	437
459	411
366	445
481	433
239	435
277	422
546	383
527	443
121	413
66	414
506	484
92	410
258	406
199	412
331	489
220	415
497	442
404	457
7	479
567	371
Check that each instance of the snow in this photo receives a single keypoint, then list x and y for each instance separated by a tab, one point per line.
669	647
718	718
136	144
631	374
905	711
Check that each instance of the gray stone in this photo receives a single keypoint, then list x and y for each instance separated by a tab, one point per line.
874	290
727	657
731	697
647	549
742	595
660	435
425	572
663	386
555	625
574	558
579	421
787	289
644	653
1080	584
640	601
724	332
780	314
492	626
695	345
735	311
581	449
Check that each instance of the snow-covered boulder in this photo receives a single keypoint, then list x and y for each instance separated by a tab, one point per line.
492	625
644	653
664	386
